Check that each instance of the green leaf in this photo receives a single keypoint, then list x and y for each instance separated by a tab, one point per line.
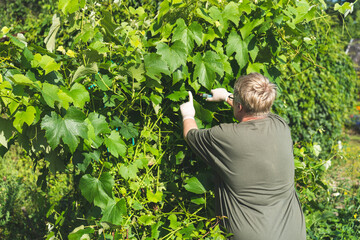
97	190
81	233
154	197
99	123
187	35
17	42
50	39
115	144
50	94
79	94
205	68
146	220
22	117
198	201
237	45
249	26
48	64
68	6
175	56
56	162
82	71
128	171
22	80
154	66
174	224
128	131
178	95
202	113
194	185
69	128
231	12
114	212
6	131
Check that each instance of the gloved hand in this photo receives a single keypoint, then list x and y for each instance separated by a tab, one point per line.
218	95
187	109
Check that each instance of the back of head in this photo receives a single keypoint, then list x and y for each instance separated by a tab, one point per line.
255	93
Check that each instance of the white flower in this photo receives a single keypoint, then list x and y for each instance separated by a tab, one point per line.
327	164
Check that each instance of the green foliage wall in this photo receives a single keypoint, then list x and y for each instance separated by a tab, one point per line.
100	97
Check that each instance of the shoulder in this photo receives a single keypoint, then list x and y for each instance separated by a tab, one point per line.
278	119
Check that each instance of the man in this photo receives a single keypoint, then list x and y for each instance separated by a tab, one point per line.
253	160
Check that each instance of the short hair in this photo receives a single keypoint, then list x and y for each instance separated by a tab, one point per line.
255	93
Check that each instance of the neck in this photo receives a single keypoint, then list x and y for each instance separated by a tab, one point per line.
249	118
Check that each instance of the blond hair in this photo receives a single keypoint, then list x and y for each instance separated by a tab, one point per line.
255	93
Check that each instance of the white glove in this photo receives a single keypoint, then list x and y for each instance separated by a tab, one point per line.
187	109
218	95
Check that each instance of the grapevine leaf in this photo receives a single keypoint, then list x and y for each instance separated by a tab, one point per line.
50	39
22	117
175	56
174	224
80	232
154	197
50	94
115	144
194	185
69	128
79	94
146	220
6	131
68	6
237	45
97	190
205	68
202	113
99	123
247	29
21	79
154	66
129	171
231	12
48	64
178	95
56	163
198	201
187	35
128	131
114	212
85	70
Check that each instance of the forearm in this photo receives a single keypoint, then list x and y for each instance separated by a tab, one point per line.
189	124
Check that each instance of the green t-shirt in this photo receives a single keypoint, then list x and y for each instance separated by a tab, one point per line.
255	178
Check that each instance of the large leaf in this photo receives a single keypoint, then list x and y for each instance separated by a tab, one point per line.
22	117
79	94
175	56
154	66
69	128
85	70
50	94
99	123
186	34
97	190
194	185
68	6
249	25
115	144
237	45
6	131
205	68
114	212
50	39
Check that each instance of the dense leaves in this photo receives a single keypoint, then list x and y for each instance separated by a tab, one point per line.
99	96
